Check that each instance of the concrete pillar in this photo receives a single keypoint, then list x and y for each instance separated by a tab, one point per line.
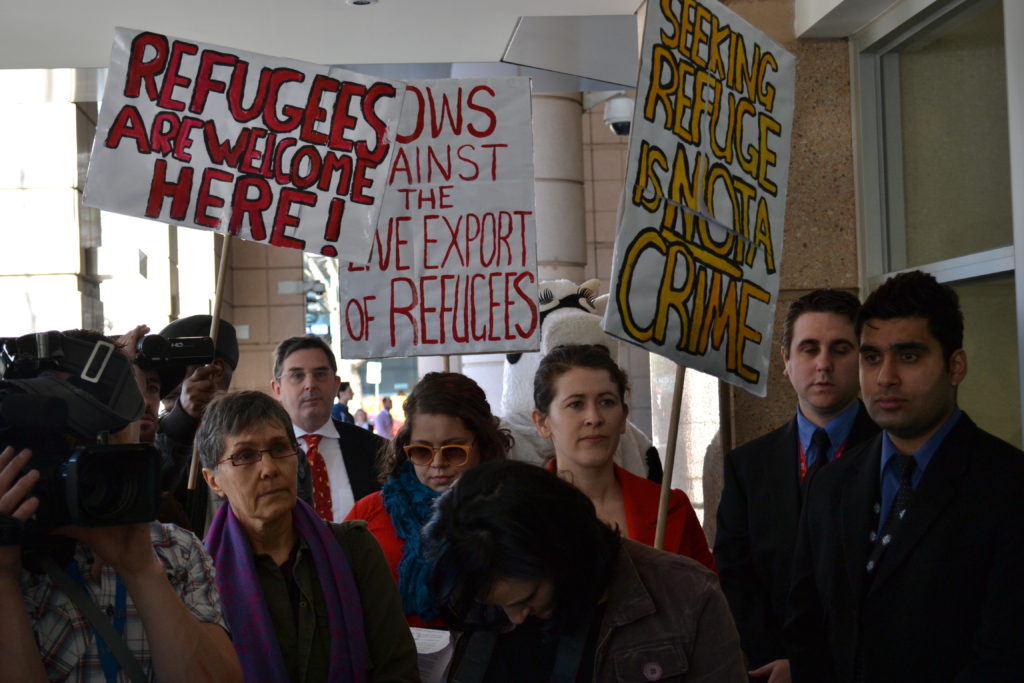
561	228
558	170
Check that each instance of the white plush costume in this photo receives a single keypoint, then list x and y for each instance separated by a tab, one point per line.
569	314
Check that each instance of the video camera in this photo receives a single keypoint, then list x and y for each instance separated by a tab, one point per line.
170	356
59	396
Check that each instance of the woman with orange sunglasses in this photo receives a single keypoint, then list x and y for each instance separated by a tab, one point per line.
449	429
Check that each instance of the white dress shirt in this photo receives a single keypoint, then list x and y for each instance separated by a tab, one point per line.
342	498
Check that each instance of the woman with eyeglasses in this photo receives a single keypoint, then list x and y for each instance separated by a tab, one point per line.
449	429
579	395
305	600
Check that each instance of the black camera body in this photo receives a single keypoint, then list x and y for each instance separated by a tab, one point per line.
170	356
58	395
156	351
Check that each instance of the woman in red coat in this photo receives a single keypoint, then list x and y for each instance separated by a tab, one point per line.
579	395
449	429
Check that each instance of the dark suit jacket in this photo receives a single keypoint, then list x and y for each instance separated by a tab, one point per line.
359	451
947	599
756	535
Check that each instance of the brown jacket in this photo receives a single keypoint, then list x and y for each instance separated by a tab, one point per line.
666	619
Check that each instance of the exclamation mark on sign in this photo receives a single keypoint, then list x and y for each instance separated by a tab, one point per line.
334	215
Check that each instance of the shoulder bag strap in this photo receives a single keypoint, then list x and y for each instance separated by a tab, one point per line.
129	665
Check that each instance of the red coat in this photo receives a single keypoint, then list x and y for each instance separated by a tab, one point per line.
683	533
378	521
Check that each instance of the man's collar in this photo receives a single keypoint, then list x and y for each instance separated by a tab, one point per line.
838	428
326	429
924	454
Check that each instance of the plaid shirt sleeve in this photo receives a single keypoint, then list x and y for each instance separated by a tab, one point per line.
190	571
65	637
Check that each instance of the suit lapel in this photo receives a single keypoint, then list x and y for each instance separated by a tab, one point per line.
782	475
935	492
857	497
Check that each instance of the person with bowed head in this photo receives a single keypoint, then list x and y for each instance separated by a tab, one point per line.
541	589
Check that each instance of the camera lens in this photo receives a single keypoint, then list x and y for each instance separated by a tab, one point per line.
106	494
115	484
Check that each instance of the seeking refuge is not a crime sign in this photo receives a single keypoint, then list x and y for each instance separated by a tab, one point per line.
697	256
273	150
453	265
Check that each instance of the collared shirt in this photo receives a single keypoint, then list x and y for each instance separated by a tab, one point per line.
383	424
890	477
342	498
297	609
838	429
67	643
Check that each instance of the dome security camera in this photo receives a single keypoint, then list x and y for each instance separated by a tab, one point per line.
618	114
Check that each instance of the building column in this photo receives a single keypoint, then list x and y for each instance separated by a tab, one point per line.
558	174
561	229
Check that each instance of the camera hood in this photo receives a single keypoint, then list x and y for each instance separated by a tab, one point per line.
92	379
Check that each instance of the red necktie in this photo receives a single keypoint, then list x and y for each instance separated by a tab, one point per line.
321	482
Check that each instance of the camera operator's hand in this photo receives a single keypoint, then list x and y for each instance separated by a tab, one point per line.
15	503
18	650
199	388
181	646
127	547
129	342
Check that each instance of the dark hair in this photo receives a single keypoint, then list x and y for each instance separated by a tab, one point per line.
918	295
448	393
230	414
562	359
293	344
819	301
512	520
344	386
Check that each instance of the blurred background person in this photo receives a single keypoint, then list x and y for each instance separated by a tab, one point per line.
310	601
340	410
383	423
361	420
579	395
449	429
541	589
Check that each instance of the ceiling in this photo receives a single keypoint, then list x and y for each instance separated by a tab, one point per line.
73	33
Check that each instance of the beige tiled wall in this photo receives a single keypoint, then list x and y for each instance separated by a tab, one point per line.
256	270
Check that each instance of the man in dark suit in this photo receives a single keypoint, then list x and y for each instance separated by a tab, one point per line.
760	507
340	465
910	555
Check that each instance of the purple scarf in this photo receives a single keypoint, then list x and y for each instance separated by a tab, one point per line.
246	611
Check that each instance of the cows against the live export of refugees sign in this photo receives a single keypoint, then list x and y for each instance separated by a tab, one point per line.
697	257
453	264
273	150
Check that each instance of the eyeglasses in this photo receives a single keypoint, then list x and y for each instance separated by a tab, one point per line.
454	454
251	456
299	376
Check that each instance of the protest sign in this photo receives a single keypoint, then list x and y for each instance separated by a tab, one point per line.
453	263
273	150
697	256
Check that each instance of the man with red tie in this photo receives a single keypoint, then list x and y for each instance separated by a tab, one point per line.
341	457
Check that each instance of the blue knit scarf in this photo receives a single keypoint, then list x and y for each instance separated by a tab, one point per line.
409	504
